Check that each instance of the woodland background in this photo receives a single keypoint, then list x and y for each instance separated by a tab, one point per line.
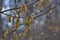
43	14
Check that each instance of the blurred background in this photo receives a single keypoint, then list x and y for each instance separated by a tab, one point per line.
45	27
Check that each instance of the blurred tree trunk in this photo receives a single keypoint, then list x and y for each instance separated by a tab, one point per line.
1	29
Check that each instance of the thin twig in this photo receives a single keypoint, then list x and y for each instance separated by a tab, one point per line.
18	7
15	17
14	29
44	13
12	16
36	17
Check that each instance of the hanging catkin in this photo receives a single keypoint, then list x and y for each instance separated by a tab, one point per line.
16	36
28	22
24	8
17	25
47	3
9	18
6	32
40	5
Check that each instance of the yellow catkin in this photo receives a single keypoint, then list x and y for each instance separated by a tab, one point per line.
9	18
28	20
16	36
26	33
17	23
47	3
6	32
40	5
28	24
24	8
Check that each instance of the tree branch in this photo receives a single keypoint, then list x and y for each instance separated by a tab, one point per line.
44	13
35	17
18	7
11	16
14	29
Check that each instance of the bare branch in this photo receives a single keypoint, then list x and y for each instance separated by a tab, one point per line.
11	16
44	13
33	18
19	7
14	29
36	17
